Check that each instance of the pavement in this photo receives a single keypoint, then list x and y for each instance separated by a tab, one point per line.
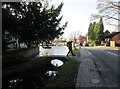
104	47
113	48
88	75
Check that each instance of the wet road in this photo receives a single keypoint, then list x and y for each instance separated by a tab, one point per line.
107	63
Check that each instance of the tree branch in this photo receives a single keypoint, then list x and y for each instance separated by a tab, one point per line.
109	17
114	5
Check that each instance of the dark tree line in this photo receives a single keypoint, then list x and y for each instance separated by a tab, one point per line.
96	32
31	22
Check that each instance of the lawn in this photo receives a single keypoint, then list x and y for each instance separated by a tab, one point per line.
66	77
32	72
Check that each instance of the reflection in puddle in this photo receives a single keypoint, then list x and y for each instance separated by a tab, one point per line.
57	62
51	73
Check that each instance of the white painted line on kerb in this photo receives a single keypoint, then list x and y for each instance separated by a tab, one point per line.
113	54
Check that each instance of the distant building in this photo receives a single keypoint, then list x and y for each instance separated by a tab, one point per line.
113	37
82	39
106	33
59	41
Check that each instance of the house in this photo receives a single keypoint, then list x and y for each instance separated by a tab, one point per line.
115	37
106	33
82	39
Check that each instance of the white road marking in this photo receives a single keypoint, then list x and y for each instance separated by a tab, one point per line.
89	53
113	54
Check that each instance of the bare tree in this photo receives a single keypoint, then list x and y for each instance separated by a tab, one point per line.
109	10
75	34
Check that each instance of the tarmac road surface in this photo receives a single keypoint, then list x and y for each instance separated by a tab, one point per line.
107	62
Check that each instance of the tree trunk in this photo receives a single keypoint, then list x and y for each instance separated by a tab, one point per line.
19	46
29	45
16	46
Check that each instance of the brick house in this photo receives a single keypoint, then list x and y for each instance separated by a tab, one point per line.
113	37
82	39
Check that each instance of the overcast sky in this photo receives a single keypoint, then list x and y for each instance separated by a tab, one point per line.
77	13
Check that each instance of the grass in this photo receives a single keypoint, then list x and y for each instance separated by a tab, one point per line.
66	77
14	51
31	63
16	57
77	53
33	69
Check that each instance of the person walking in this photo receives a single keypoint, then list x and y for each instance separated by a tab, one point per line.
69	45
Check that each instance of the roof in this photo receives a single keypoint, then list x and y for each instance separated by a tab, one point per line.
112	35
106	33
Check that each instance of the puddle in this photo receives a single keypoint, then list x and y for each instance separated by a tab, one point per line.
54	50
56	62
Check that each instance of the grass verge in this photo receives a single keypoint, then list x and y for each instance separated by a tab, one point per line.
66	77
33	67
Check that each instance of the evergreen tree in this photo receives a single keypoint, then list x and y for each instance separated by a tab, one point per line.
93	31
90	31
96	32
52	25
101	29
9	25
36	23
99	34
